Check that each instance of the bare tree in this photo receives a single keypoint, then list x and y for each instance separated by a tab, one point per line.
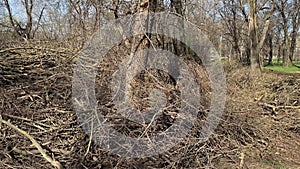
25	31
230	12
289	18
282	8
257	43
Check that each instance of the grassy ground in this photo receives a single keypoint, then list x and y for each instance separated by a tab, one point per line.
280	68
277	66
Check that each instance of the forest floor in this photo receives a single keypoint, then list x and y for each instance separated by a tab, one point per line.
260	127
271	104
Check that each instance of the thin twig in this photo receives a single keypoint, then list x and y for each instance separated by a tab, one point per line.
90	140
34	142
242	157
274	108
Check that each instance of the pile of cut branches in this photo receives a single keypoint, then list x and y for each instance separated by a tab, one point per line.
39	128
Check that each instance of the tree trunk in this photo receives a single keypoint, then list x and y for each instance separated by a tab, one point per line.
285	45
279	52
256	44
285	54
28	28
294	33
285	51
254	54
270	61
178	46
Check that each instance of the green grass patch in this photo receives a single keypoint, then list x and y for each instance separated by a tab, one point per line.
277	61
297	64
283	69
277	66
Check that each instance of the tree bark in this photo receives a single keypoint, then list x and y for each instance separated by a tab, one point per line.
294	33
254	54
270	61
256	44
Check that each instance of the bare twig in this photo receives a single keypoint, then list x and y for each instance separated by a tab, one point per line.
90	140
274	108
242	160
34	142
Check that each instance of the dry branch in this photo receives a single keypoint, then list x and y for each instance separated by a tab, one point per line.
34	142
274	108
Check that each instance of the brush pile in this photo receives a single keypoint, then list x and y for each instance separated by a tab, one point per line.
40	129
